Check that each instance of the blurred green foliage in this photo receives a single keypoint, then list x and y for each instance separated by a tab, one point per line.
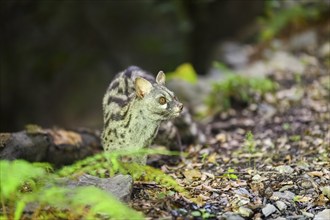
282	14
230	174
23	183
249	143
110	164
184	72
236	88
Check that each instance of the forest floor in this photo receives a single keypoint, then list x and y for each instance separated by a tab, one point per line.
265	157
268	160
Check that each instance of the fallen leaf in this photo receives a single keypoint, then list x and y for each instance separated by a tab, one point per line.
315	173
192	174
212	158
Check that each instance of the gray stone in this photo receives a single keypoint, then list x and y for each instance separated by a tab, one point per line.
284	169
323	215
120	186
281	205
243	192
305	40
268	210
324	50
287	195
245	212
231	216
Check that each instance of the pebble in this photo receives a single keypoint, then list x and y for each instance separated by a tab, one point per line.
326	191
281	205
284	169
323	215
305	40
243	192
268	210
306	184
287	195
256	178
231	216
324	50
245	212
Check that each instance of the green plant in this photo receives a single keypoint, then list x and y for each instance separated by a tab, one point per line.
286	126
202	213
237	88
110	164
230	174
249	144
295	138
184	72
280	15
23	183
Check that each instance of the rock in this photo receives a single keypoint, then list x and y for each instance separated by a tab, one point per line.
284	61
266	111
287	195
268	192
306	40
256	178
284	169
324	50
243	192
119	186
231	216
245	212
323	215
326	191
280	205
243	201
268	210
306	184
234	54
308	214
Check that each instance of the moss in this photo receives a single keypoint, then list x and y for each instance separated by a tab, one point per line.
237	88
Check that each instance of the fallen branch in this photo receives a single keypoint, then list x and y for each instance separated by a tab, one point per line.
57	146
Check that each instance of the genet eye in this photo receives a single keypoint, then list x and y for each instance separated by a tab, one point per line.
162	100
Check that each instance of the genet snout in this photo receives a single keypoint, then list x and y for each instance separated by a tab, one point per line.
180	106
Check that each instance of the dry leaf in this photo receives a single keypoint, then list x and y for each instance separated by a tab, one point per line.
315	173
192	174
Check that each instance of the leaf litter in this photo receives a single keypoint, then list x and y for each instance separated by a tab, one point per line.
268	160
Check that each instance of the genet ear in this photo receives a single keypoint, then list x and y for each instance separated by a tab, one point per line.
142	87
160	79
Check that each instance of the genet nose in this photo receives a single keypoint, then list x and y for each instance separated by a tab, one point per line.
180	107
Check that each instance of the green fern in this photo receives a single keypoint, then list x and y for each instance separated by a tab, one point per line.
19	187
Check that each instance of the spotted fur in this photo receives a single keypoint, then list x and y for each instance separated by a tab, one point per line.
133	110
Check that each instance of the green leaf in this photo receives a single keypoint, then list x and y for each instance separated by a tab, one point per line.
15	173
101	202
196	213
184	72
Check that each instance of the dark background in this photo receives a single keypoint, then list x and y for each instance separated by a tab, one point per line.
57	57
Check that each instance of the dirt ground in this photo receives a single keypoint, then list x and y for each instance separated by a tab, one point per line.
266	160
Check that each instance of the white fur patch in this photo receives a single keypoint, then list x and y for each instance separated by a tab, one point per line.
164	106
